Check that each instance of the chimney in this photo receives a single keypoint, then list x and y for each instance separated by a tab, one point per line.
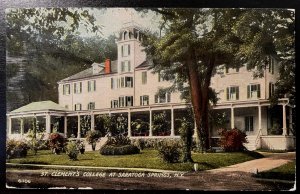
107	66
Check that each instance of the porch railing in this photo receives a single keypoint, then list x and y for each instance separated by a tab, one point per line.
257	139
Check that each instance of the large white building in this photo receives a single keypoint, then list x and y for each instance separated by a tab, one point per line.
128	86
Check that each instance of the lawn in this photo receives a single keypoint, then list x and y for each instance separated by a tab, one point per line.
146	159
284	172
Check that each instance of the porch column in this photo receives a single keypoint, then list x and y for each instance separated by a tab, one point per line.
22	126
92	122
284	120
259	117
9	125
172	121
129	123
232	117
65	125
78	127
150	123
48	123
291	118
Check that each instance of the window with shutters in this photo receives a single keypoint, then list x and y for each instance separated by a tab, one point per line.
129	82
144	100
271	89
121	101
114	104
249	123
253	91
125	66
162	97
125	101
77	88
125	50
144	77
91	106
232	93
92	86
129	101
66	89
78	106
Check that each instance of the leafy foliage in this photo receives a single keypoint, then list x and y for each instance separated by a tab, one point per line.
93	136
43	41
232	140
118	140
198	41
119	145
16	149
186	133
169	151
160	123
57	142
72	150
140	143
119	150
139	126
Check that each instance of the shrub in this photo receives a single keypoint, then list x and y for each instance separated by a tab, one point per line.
16	149
57	142
118	140
169	151
232	140
140	143
93	136
72	150
119	150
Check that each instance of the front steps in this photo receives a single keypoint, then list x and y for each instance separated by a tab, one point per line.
99	144
251	145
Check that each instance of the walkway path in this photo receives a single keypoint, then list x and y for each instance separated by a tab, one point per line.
271	160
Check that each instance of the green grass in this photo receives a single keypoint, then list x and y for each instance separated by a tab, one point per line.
284	172
146	159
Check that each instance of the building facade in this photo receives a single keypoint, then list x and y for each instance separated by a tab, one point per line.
128	86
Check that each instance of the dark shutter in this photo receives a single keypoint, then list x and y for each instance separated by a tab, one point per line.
237	92
258	90
248	91
227	93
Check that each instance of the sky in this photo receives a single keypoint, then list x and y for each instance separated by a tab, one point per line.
112	20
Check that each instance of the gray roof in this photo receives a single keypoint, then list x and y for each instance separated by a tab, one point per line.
89	72
144	64
39	106
114	69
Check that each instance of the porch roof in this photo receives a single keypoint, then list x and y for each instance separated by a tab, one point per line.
39	106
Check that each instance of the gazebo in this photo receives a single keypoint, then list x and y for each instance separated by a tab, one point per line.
49	116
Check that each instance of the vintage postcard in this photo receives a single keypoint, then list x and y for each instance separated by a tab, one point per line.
150	98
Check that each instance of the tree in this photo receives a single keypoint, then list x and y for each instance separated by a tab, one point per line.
198	41
41	41
179	53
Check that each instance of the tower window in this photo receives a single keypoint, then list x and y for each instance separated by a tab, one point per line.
125	49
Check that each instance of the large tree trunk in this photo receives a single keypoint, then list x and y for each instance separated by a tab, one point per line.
196	97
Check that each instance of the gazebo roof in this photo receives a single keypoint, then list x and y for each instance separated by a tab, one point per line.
39	106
